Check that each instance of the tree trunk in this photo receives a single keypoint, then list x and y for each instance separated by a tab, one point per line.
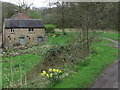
63	23
85	34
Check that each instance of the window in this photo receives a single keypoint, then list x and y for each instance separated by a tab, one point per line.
12	30
31	29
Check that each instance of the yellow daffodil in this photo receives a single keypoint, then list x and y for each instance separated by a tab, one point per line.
54	70
60	71
50	69
54	35
44	72
51	75
47	75
57	70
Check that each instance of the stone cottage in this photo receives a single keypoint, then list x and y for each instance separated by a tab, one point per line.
22	30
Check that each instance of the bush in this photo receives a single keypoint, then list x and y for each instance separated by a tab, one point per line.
50	28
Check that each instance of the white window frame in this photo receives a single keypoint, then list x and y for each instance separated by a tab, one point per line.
31	30
12	30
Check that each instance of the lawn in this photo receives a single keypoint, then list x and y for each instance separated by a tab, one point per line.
60	40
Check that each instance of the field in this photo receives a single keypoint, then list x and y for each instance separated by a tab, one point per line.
83	73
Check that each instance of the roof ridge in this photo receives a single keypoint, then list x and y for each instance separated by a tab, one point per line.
12	23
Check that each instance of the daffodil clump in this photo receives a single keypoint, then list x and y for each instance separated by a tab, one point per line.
54	35
53	75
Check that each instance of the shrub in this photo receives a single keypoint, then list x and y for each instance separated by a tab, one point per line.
50	28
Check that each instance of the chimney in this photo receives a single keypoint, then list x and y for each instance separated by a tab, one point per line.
24	10
16	11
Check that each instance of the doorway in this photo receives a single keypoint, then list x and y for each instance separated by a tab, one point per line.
40	40
22	40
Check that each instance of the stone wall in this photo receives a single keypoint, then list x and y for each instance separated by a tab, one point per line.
12	38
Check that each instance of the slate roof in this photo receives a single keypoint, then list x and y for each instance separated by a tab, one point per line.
24	23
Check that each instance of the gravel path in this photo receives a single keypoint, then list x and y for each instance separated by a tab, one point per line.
109	77
0	40
116	42
0	45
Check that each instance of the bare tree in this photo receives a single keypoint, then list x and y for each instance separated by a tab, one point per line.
24	3
61	5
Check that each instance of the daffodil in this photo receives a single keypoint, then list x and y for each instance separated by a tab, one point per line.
54	35
57	70
51	75
54	70
60	71
47	75
50	69
44	72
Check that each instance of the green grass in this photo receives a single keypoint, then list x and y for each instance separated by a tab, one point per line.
25	62
87	74
60	40
110	35
113	36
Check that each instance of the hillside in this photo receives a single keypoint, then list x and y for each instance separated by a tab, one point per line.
7	11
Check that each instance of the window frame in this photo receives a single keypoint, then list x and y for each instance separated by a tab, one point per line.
31	30
12	30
